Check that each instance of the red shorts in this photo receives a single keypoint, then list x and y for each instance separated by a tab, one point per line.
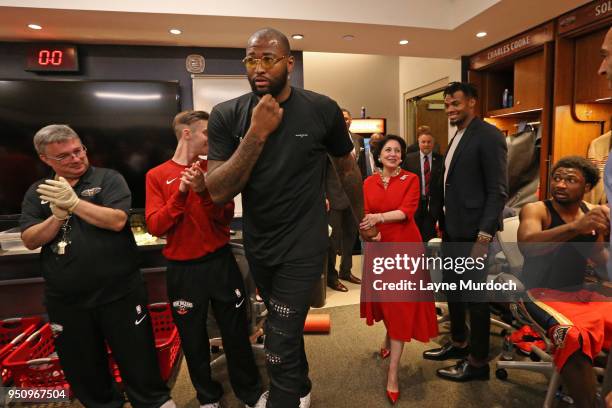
585	322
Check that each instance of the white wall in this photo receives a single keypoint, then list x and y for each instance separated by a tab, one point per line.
415	73
355	80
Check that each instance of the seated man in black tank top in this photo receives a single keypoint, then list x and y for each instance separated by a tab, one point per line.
558	237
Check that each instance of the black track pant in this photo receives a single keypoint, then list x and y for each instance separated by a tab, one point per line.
287	291
214	278
126	325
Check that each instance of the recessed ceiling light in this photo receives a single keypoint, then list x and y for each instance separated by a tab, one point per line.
175	31
34	27
403	42
481	34
348	37
297	36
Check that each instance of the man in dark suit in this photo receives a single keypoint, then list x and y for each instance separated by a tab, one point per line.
428	165
340	218
475	191
344	232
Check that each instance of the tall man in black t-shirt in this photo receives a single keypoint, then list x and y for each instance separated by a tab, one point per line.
93	289
272	146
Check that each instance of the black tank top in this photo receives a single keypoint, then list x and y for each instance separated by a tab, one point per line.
564	267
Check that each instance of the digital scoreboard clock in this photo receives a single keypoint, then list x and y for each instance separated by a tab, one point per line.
52	58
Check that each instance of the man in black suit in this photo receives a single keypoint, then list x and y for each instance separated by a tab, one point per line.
340	218
475	191
428	165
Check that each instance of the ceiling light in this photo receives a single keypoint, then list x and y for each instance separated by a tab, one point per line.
34	27
297	36
175	31
348	37
403	42
481	34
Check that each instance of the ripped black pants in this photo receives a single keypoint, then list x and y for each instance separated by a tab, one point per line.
287	291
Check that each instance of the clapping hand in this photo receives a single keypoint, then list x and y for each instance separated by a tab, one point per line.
194	178
59	193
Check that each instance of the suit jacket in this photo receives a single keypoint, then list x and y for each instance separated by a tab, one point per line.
412	163
476	187
333	188
360	153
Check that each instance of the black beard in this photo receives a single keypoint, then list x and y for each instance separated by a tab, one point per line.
275	88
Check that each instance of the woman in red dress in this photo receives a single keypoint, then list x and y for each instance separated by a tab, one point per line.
391	198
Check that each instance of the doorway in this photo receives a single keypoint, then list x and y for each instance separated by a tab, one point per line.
428	109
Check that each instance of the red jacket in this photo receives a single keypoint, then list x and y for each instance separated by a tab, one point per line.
194	226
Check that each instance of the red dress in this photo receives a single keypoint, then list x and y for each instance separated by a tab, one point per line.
404	320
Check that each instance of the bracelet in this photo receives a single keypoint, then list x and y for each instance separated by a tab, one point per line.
382	218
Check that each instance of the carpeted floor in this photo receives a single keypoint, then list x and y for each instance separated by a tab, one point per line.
347	372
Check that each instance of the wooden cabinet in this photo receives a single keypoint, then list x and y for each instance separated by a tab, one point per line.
529	82
589	85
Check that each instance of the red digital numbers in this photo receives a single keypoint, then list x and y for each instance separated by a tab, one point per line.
50	57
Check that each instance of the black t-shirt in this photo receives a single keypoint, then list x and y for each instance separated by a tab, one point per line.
99	265
284	199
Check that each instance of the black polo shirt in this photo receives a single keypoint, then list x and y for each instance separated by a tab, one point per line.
99	265
284	199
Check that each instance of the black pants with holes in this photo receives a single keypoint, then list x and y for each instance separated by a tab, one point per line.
287	291
192	285
126	326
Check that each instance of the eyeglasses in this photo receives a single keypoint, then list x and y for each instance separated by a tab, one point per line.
78	152
266	62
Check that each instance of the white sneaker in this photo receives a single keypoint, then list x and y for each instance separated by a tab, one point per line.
211	405
305	401
261	402
168	404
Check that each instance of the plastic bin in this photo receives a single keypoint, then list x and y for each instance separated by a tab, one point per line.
12	333
167	341
34	363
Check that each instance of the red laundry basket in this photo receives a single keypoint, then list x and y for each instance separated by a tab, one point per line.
12	333
167	341
34	363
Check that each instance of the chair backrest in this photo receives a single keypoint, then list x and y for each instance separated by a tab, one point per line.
509	245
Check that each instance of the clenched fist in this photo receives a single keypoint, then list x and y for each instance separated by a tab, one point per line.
59	193
266	117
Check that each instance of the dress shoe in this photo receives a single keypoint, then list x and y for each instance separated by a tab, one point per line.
337	285
446	352
384	353
393	396
351	278
464	371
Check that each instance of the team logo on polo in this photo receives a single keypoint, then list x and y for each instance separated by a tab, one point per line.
237	292
182	306
90	192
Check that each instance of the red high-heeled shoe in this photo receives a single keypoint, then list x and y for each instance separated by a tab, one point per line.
384	353
393	396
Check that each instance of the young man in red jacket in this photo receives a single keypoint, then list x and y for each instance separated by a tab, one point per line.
201	266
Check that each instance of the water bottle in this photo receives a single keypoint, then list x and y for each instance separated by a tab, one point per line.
505	99
363	113
510	101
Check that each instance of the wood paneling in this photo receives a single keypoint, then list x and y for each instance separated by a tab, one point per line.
572	138
589	85
529	82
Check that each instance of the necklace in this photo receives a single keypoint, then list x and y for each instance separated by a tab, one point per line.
386	179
